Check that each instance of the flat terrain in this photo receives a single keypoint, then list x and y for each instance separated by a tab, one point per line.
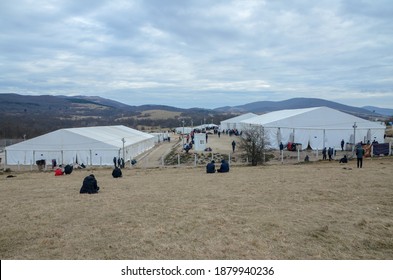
320	210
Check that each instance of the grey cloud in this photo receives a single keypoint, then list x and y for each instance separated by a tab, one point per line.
158	51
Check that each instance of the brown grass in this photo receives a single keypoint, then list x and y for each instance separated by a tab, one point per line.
159	114
320	210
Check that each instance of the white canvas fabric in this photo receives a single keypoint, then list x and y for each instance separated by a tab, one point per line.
316	127
88	145
233	123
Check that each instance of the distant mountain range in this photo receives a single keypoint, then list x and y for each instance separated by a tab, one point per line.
35	115
10	102
297	103
380	111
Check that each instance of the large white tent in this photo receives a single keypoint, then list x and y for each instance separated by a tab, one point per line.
233	123
316	127
88	145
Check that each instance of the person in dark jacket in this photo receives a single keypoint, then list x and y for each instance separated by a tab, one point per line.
68	169
344	159
211	167
359	155
116	173
324	153
330	153
89	185
224	166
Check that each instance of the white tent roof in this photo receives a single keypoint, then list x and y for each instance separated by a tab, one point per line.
235	122
311	118
105	137
240	118
207	125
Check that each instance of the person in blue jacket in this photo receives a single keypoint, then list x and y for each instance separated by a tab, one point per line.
224	166
211	167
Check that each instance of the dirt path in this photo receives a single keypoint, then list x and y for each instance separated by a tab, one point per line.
153	158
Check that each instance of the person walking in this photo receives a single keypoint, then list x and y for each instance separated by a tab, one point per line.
342	145
233	146
359	156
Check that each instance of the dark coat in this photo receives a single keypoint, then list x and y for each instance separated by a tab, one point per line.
224	167
360	152
89	185
116	173
210	167
68	169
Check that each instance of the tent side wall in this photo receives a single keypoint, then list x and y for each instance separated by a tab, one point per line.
138	148
68	146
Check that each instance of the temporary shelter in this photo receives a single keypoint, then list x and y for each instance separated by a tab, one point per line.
89	145
317	127
183	130
207	126
160	136
233	123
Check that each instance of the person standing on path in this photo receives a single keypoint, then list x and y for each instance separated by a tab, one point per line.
233	146
324	153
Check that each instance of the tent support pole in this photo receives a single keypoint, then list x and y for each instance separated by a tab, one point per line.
5	159
372	150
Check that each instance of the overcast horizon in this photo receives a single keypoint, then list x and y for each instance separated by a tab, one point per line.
202	53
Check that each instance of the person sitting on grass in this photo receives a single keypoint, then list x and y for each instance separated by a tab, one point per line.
89	185
116	173
344	159
224	166
211	167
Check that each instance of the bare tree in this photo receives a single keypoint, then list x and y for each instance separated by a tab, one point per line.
254	144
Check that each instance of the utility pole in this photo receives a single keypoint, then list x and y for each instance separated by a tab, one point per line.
182	137
354	137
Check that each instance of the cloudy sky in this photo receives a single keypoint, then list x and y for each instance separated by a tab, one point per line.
199	53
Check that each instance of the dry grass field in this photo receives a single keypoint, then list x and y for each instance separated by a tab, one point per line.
320	210
159	114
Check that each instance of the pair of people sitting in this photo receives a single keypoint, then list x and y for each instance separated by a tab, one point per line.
211	167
